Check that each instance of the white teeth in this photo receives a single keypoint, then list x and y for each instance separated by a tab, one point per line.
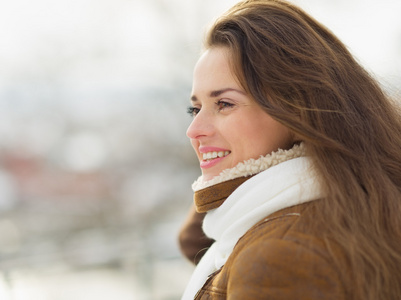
214	154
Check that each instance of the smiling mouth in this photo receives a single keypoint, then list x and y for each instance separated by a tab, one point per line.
213	155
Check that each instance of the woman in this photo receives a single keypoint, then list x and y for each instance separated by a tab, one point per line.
301	167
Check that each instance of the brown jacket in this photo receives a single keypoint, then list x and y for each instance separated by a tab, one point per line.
193	242
278	259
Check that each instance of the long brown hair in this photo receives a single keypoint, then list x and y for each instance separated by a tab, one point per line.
305	78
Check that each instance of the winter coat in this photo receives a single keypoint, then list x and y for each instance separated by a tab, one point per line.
276	259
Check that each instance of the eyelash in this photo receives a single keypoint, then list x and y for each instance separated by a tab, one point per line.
224	103
193	111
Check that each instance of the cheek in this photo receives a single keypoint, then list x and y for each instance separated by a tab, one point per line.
265	136
277	136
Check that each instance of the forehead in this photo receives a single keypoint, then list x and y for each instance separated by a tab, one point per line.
213	70
216	56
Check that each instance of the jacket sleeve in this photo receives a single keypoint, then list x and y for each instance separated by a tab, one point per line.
281	270
192	241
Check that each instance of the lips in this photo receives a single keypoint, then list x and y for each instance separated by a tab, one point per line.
212	156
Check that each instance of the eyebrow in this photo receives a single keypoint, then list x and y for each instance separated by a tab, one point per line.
214	94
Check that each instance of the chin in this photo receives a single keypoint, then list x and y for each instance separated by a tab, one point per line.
207	177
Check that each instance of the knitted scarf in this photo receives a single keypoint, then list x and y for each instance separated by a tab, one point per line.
286	184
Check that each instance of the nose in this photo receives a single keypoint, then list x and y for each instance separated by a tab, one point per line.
200	126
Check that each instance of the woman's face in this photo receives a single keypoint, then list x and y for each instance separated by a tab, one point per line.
228	126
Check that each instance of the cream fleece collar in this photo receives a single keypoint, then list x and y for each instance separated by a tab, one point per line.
252	166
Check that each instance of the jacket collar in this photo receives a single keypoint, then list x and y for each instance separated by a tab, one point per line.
211	194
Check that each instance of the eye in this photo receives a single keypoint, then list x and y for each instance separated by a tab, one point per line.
223	104
193	111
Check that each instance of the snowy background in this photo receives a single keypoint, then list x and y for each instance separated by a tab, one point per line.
95	167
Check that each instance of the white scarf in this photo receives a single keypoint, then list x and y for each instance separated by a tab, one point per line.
287	184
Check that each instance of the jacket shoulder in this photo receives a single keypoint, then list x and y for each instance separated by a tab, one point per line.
278	259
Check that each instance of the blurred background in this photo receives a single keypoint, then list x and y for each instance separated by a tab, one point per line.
95	167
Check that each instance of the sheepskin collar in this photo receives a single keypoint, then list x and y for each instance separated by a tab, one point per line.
212	193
